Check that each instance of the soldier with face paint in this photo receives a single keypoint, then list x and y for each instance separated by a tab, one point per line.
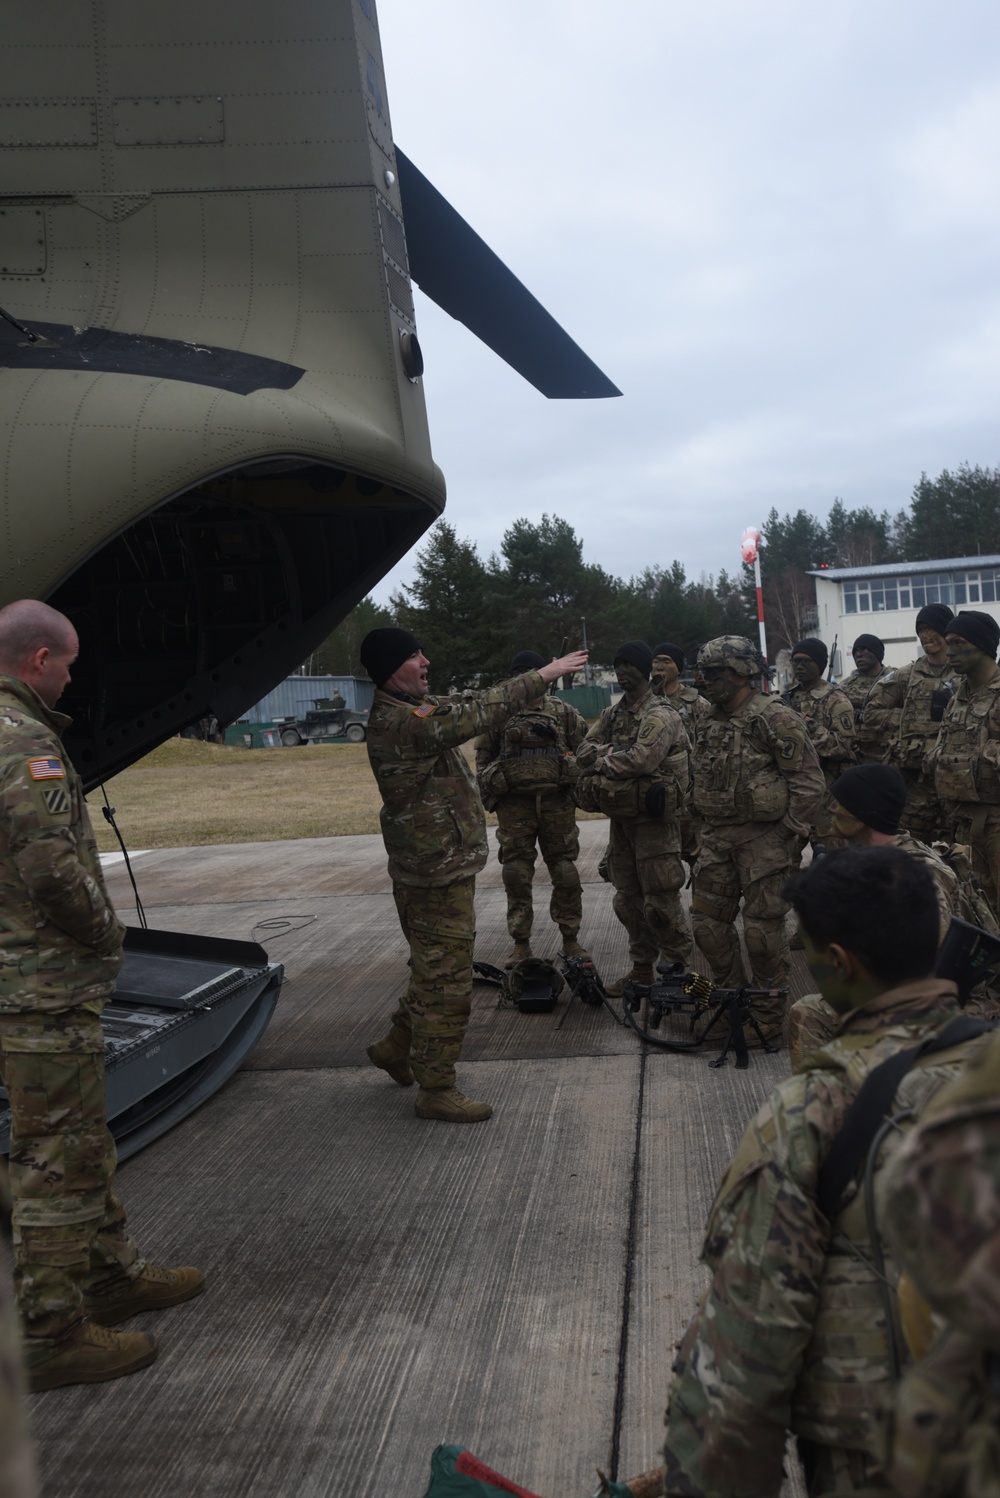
868	652
757	789
904	714
668	663
966	758
638	755
829	717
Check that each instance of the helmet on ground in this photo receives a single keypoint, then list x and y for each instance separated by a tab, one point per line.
735	651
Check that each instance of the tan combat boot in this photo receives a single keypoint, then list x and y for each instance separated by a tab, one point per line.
572	948
153	1290
519	952
450	1106
91	1355
640	972
392	1055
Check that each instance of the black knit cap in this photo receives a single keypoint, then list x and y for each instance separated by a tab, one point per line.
981	630
814	648
526	660
875	794
935	616
636	653
675	653
869	642
383	651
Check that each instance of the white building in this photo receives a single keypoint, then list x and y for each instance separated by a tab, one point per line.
885	601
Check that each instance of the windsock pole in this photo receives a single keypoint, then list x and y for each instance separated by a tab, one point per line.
750	551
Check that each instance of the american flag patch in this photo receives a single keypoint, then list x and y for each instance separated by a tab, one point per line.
46	769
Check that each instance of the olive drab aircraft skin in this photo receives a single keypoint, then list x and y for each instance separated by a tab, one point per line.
215	439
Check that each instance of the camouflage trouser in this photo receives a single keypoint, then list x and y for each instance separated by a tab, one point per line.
648	875
754	869
69	1226
439	922
811	1023
979	828
924	816
548	819
18	1477
835	1469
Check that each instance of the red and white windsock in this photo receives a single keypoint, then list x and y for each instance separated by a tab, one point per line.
750	552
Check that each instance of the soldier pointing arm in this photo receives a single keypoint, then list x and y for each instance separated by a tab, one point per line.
435	835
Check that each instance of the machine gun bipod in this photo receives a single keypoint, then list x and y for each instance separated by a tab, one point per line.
680	992
585	984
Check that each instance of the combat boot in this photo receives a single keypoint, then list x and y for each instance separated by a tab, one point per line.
450	1106
152	1290
392	1055
572	948
641	972
519	952
91	1355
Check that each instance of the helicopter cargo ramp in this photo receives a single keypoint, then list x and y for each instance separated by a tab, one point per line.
378	1284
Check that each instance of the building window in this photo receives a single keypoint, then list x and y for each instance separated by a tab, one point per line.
977	587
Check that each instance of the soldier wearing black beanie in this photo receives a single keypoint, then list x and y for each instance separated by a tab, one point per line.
869	653
829	718
435	835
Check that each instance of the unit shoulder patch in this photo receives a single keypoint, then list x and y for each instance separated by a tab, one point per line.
56	799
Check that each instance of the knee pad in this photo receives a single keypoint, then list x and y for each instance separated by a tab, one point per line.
564	873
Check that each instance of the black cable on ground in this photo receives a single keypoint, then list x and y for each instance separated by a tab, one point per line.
630	1246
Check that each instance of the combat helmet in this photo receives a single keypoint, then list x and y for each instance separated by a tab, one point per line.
735	651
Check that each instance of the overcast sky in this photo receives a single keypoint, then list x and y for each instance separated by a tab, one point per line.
773	223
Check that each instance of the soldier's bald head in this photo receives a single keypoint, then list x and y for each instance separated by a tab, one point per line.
28	626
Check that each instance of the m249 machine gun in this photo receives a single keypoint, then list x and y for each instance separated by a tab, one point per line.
711	1012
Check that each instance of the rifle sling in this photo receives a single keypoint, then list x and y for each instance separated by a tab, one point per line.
865	1115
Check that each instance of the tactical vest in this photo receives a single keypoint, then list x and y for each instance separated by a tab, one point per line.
625	797
918	727
960	772
845	1375
534	753
735	776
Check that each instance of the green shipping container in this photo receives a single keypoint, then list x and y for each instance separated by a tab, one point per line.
254	735
590	701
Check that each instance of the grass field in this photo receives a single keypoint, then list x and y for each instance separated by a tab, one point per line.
186	794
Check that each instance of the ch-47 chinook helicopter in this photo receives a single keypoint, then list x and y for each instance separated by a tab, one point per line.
214	434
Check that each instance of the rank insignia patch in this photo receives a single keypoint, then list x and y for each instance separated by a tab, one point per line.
56	798
46	769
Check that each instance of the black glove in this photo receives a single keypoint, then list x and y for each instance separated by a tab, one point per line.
656	800
940	698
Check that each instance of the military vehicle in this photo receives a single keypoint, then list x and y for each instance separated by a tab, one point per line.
325	720
215	439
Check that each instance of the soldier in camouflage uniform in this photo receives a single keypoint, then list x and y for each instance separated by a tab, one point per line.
637	770
668	663
791	1332
76	1270
757	786
829	717
526	769
966	758
869	653
435	835
939	1209
903	715
869	802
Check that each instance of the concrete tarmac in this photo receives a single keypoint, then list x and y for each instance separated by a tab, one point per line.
378	1284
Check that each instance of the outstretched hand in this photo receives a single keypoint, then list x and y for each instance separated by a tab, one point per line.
563	666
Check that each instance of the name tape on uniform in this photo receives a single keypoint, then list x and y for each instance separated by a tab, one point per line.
46	769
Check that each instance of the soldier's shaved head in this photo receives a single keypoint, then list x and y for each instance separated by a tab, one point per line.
28	626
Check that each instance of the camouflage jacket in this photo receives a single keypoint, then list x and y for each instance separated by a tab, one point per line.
939	1206
966	757
691	705
755	766
829	717
643	743
60	940
530	751
869	734
432	818
790	1334
900	711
